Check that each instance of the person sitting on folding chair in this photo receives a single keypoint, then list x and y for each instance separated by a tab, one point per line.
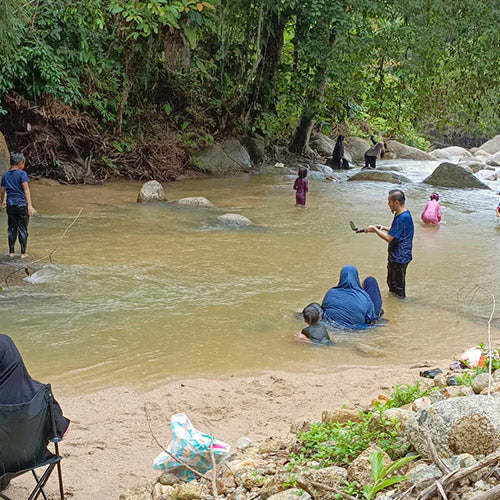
17	387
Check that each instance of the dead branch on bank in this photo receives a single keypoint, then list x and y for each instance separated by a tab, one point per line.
455	476
48	256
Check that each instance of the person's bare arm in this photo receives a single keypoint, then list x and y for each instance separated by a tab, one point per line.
27	193
3	193
381	231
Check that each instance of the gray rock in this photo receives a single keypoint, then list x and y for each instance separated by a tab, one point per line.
450	175
256	148
473	165
235	220
4	155
450	153
151	191
230	158
322	144
480	382
390	168
468	424
492	146
379	176
324	170
243	443
333	477
481	152
291	494
168	479
361	468
356	148
408	152
188	491
196	201
494	160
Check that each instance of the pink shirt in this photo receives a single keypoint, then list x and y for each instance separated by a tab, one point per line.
432	212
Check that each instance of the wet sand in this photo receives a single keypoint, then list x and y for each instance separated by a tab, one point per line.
110	447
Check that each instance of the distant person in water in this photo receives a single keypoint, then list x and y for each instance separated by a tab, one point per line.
432	211
498	209
301	186
373	154
348	305
316	332
15	196
338	161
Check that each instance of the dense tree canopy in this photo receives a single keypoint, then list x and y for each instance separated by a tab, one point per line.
406	69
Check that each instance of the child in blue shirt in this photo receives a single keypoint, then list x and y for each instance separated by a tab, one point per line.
15	196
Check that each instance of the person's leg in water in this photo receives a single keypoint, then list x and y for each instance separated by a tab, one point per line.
370	162
23	229
396	278
12	229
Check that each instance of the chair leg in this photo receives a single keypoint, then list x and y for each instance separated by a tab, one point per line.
41	483
59	475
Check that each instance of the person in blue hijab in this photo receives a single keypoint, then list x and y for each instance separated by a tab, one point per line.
370	285
347	305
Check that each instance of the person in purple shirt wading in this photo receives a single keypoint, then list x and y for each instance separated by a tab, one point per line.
14	185
301	185
400	239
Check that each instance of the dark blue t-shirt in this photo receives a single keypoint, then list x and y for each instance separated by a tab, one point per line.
402	231
13	180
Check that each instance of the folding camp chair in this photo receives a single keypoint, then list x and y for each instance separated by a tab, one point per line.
25	430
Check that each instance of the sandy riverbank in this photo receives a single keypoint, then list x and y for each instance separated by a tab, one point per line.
110	447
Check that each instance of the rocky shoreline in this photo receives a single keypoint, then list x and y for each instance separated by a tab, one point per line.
452	432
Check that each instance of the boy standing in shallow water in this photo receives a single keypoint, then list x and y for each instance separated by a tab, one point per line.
14	186
301	185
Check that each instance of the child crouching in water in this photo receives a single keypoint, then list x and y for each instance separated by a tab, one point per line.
432	211
315	333
301	185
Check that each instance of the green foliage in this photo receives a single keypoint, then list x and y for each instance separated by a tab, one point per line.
382	475
339	444
405	394
465	378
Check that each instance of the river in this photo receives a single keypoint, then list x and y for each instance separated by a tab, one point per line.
140	292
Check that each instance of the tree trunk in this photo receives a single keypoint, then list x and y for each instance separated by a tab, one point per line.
300	140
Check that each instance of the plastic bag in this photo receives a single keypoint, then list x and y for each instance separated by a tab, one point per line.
192	447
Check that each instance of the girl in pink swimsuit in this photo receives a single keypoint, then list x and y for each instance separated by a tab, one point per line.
432	211
301	185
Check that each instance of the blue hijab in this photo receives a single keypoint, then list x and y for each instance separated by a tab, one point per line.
347	304
372	289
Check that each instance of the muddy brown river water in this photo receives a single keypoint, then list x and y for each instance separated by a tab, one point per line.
143	292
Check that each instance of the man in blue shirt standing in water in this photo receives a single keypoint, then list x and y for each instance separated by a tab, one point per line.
14	184
400	239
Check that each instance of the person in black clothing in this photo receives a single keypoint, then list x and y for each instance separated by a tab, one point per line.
337	160
316	332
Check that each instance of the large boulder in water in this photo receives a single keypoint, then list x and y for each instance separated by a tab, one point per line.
256	147
450	153
407	152
492	146
196	201
379	176
322	144
356	147
235	220
151	191
494	160
230	158
469	424
4	155
450	175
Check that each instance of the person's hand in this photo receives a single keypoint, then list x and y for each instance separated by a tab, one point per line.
371	229
4	204
30	211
